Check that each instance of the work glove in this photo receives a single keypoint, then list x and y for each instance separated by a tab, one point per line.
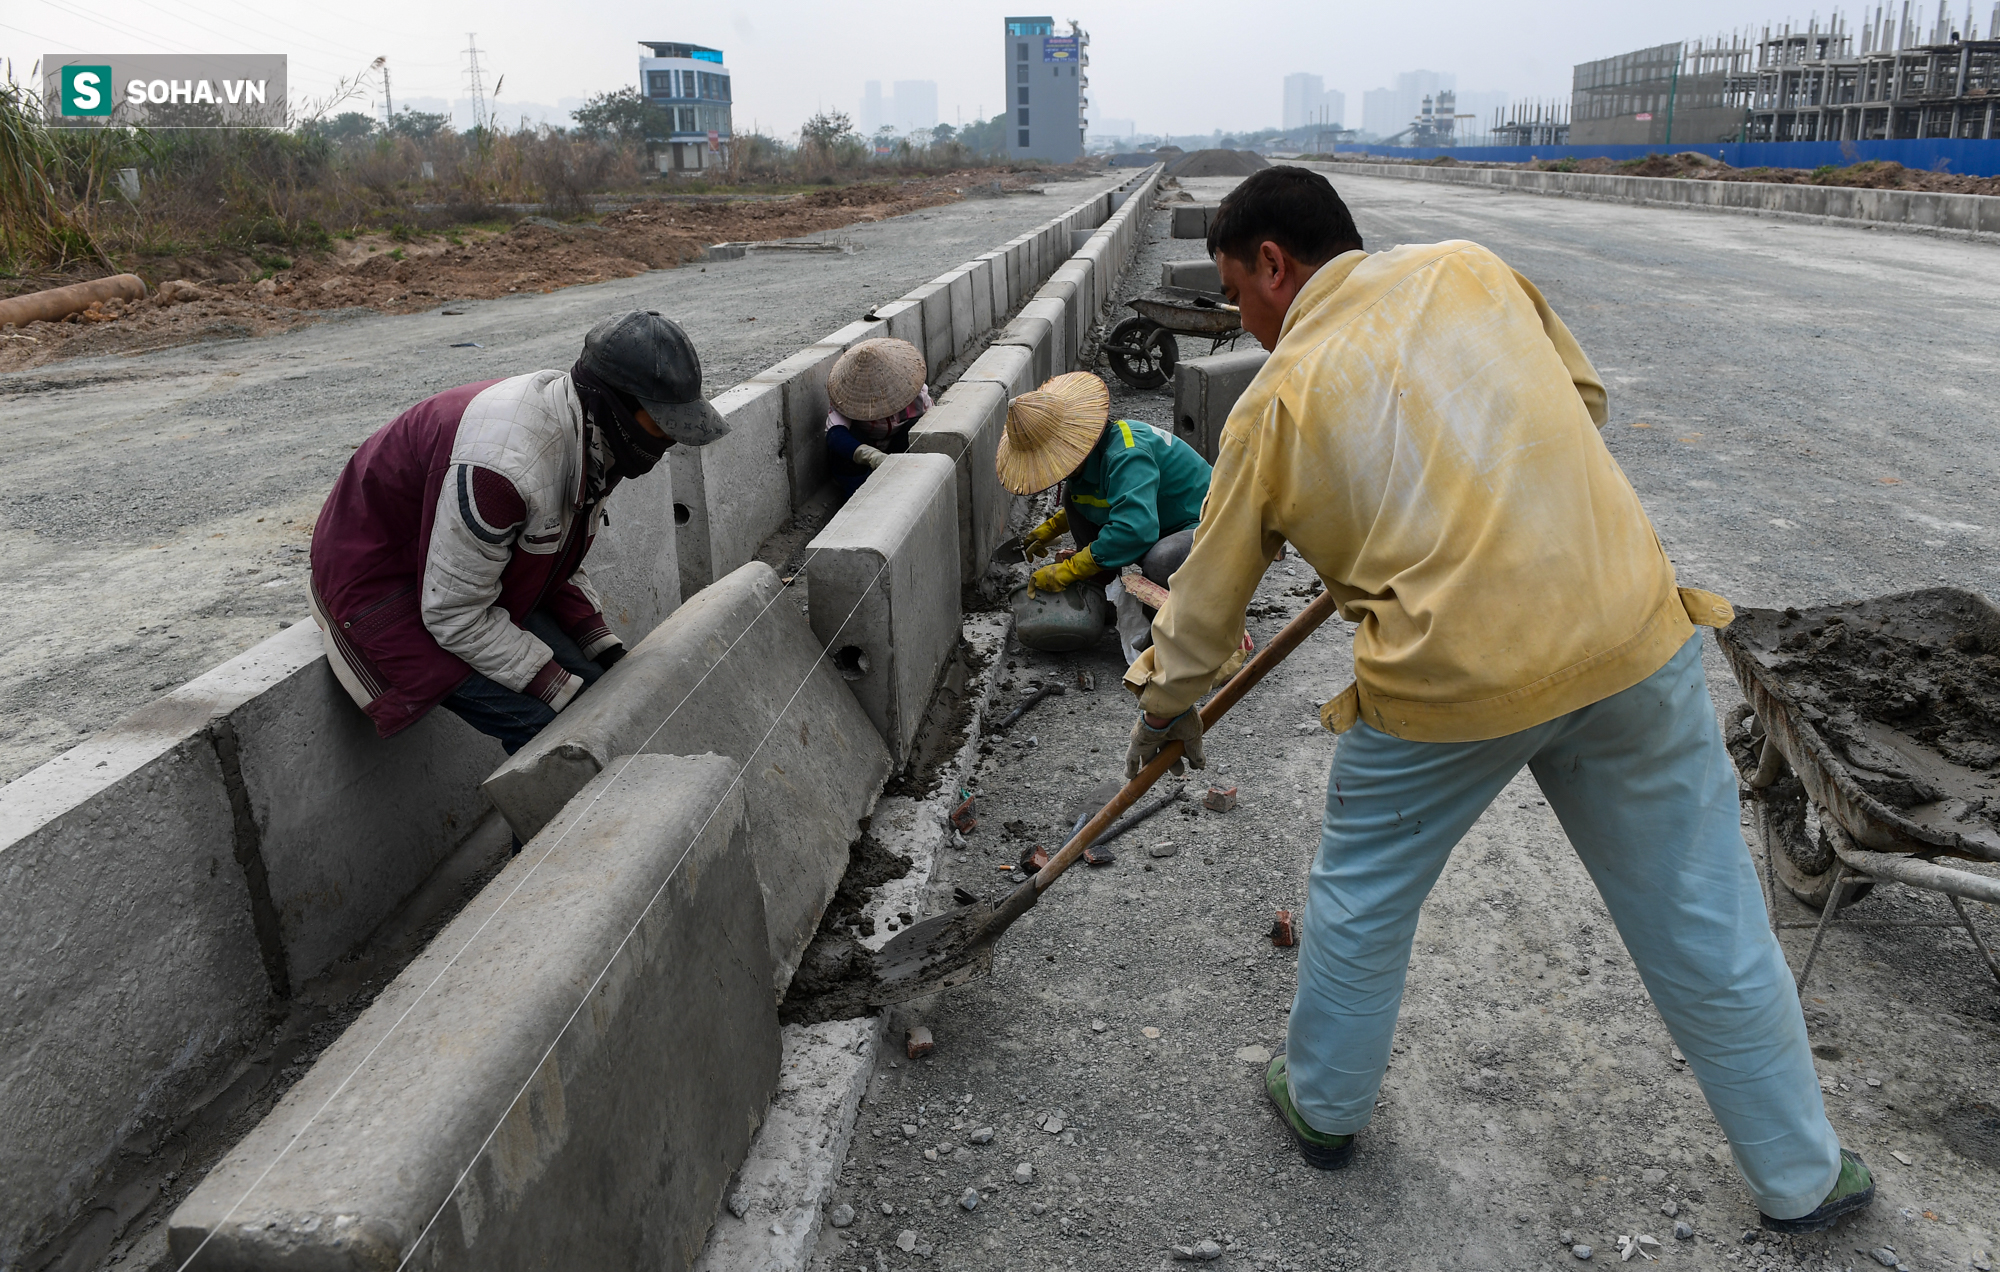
1148	742
1056	577
869	457
1036	543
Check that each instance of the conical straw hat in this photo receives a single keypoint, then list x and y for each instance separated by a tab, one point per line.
876	378
1050	430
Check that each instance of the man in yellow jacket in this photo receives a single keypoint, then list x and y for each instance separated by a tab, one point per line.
1425	434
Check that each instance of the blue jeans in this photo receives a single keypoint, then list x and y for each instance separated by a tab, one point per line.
515	718
1647	796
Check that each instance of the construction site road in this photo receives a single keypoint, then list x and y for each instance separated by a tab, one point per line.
158	506
1806	414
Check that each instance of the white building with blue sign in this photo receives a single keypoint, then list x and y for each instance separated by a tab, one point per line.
690	85
1047	90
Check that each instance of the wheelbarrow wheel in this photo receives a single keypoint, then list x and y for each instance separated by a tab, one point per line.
1801	855
1786	822
1142	353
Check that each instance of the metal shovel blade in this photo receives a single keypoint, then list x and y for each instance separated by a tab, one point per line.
947	950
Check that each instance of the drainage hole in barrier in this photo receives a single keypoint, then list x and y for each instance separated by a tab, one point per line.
851	662
681	514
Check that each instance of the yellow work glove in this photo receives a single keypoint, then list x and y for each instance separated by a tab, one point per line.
1036	542
1054	578
1148	742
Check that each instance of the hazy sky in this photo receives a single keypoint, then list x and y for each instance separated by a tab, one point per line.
1169	65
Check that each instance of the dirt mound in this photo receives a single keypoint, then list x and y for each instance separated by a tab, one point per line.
223	297
1217	163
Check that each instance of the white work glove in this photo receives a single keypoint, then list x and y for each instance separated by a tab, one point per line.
1148	742
869	457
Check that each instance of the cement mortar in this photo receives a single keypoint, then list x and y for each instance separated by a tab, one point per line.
1782	372
158	506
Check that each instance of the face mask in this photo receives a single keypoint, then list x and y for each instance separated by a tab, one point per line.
634	450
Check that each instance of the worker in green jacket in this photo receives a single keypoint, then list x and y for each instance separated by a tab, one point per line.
1133	495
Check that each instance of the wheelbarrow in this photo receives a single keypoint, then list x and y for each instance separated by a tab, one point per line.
1143	350
1869	742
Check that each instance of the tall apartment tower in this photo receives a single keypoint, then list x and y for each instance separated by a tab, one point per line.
1048	102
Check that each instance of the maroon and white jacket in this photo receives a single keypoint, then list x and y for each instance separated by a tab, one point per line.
447	528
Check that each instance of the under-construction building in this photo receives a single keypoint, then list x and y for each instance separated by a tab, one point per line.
1531	124
1903	82
1676	92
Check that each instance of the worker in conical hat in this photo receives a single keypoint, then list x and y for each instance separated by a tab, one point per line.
1132	492
878	392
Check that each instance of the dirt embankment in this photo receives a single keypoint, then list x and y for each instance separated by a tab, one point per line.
222	295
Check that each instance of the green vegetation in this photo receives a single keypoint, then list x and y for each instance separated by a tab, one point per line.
272	194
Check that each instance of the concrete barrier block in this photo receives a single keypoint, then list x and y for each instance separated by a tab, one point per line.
1051	349
1010	366
633	561
965	327
731	494
715	677
1078	237
1205	389
1018	289
1200	275
567	1077
933	301
1118	198
989	290
965	427
1072	281
904	320
1097	255
801	382
133	968
855	332
883	584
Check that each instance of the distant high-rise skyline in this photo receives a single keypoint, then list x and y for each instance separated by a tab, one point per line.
1309	101
909	106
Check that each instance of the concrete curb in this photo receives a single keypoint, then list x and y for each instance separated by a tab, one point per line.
811	782
1970	215
777	1206
478	1116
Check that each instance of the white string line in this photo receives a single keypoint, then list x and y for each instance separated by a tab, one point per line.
583	1002
521	883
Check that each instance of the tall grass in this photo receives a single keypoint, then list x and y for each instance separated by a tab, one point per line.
256	191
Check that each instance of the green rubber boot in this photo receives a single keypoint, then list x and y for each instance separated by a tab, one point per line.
1852	1191
1322	1151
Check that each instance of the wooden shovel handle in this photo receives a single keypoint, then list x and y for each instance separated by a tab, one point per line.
1305	624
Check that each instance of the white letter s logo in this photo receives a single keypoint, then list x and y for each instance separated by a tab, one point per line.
84	89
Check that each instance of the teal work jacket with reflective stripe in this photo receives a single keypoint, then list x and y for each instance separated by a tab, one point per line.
1139	484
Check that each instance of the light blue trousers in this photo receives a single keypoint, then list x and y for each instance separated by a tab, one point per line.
1647	795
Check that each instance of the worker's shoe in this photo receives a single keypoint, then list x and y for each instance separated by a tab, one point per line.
1322	1151
1852	1191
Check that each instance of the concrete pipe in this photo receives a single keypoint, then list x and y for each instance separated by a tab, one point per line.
59	303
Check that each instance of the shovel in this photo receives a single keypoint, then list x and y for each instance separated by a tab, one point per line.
951	949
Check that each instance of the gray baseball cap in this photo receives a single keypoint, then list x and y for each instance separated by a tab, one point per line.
651	358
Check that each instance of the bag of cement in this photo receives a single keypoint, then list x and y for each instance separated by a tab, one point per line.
1059	622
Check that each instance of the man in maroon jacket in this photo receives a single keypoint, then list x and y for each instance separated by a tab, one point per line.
447	561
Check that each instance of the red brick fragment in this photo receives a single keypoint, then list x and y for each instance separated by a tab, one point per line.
1219	800
918	1042
1284	931
962	818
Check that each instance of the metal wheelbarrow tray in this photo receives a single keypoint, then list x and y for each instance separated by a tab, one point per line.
1188	312
1885	714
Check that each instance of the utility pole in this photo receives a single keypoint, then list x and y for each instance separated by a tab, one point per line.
473	82
389	99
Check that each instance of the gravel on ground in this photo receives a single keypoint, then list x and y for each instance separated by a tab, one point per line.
1804	411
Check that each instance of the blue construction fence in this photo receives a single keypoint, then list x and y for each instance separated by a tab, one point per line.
1929	154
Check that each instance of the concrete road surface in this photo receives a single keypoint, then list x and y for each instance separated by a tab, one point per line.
1807	414
157	507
